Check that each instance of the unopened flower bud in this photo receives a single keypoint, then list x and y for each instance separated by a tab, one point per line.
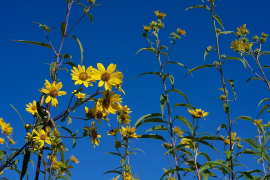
155	28
263	40
159	21
118	144
255	38
216	63
173	34
177	37
245	40
28	126
264	35
223	56
218	30
91	1
160	25
245	31
144	35
257	51
239	146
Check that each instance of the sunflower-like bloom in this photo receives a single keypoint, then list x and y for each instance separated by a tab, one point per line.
233	137
53	91
108	102
178	131
113	132
80	76
186	141
2	140
6	128
124	108
129	132
146	28
41	137
240	30
73	159
124	118
127	176
116	178
181	32
79	95
197	113
94	135
239	45
259	121
107	77
160	15
55	163
98	113
32	108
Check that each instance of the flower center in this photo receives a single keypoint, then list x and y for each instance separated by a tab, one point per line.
93	134
105	76
83	76
53	93
200	113
106	103
99	114
43	137
34	108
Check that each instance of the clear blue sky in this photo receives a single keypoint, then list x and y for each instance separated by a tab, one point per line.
114	37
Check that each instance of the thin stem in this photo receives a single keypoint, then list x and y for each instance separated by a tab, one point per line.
168	54
50	43
76	23
195	162
253	70
38	165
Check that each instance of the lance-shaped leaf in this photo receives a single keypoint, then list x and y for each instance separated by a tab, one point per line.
71	64
63	28
213	164
263	108
196	6
158	128
172	80
157	73
18	114
253	143
265	53
114	171
177	63
219	20
62	177
265	99
144	118
26	160
91	17
80	46
226	108
52	69
205	155
209	145
163	100
232	84
183	104
150	120
153	136
163	46
180	92
200	67
266	66
113	153
207	51
185	121
148	49
237	59
221	126
226	32
253	78
177	169
35	43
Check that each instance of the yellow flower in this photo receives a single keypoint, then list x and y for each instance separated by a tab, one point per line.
124	108
40	137
167	145
74	159
222	97
113	132
89	113
239	45
94	135
53	91
116	178
1	173
29	136
118	86
181	32
98	113
1	121
160	15
227	141
6	128
32	108
124	118
80	76
55	163
127	176
107	77
129	132
108	102
10	140
2	140
223	137
197	113
259	121
146	28
79	95
240	30
178	131
186	141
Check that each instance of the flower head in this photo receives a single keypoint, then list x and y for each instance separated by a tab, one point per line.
129	132
41	137
79	95
178	131
108	77
53	91
11	141
259	121
124	109
146	28
80	76
2	140
6	128
124	118
94	135
108	102
197	113
186	141
181	32
240	30
55	163
116	178
113	132
127	176
32	108
241	46
160	15
74	159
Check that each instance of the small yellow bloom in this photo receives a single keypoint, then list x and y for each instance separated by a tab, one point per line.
53	91
113	132
197	113
146	28
129	132
1	173
181	32
160	15
124	118
1	121
240	30
2	140
80	76
55	163
127	176
223	137
222	97
259	121
186	141
167	145
239	45
32	108
108	102
94	135
6	128
79	95
178	131
29	136
41	137
74	159
233	135
124	108
116	178
10	140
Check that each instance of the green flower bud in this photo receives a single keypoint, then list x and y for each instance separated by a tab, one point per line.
223	56
177	37
216	63
239	146
245	40
237	49
218	30
160	25
91	1
127	168
118	144
173	34
264	35
255	38
263	40
159	21
155	28
257	51
246	31
144	35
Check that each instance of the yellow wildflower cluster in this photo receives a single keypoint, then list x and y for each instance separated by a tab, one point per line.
197	113
5	130
234	140
178	131
129	132
241	46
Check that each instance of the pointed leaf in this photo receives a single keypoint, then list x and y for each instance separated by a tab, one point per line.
150	120
176	90
18	114
219	20
265	53
157	73
153	136
253	78
63	28
80	46
200	67
91	17
26	159
177	169
207	51
232	84
226	32
163	100
265	99
158	128
180	64
185	121
148	49
141	120
238	59
263	108
172	80
183	104
196	6
35	43
114	171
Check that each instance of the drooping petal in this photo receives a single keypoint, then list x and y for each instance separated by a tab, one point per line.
54	102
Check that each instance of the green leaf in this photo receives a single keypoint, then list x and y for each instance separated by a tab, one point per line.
214	163
207	51
205	155
52	69
63	28
246	175
148	49
200	67
172	80
177	169
61	177
226	108
209	145
163	99
26	159
122	161
71	64
180	64
66	129
113	153
265	99
35	43
153	136
114	171
2	154
185	121
69	120
150	120
183	104
18	114
252	143
176	90
196	6
80	45
265	53
238	59
266	66
91	17
74	142
263	108
232	84
226	32
252	78
158	128
94	5
63	69
157	73
221	126
141	120
219	20
161	47
67	1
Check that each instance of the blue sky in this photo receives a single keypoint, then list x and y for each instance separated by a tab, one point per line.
115	37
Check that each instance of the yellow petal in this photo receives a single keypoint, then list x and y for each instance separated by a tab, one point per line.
48	99
101	83
101	67
60	93
111	68
59	86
